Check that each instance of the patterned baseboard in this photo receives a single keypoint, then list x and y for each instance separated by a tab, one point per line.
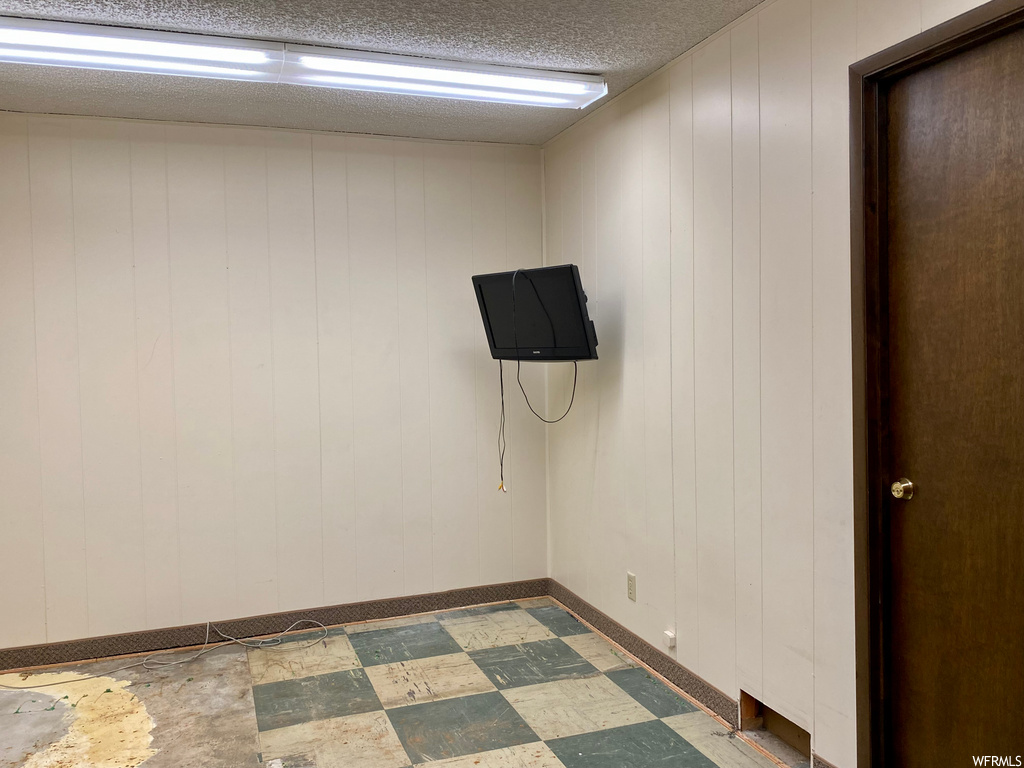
180	637
817	762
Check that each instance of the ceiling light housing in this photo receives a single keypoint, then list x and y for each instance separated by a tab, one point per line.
388	73
87	46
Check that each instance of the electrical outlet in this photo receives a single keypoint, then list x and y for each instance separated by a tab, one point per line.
631	585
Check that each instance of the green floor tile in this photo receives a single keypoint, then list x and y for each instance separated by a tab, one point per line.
417	641
644	745
562	623
512	666
658	698
463	726
290	702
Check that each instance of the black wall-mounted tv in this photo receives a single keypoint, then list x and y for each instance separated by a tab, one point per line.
536	314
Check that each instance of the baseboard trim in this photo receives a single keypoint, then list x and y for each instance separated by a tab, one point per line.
817	762
149	641
722	705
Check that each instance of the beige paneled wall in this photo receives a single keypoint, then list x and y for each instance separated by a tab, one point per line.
710	450
242	371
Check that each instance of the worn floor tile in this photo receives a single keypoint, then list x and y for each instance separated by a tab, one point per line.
367	740
511	666
599	652
717	742
203	711
536	755
645	745
534	602
493	630
657	697
560	622
404	621
290	702
455	727
416	641
477	610
569	707
421	680
298	658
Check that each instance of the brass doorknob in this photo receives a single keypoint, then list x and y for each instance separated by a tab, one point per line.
902	489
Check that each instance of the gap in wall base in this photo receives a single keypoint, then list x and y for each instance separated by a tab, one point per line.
775	735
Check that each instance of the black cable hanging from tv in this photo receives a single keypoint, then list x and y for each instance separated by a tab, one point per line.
501	378
519	363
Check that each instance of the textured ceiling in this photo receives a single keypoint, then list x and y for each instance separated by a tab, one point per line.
624	40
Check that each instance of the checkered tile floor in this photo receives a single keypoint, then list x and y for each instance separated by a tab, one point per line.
514	685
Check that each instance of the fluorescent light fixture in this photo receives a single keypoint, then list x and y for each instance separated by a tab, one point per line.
26	41
447	79
85	46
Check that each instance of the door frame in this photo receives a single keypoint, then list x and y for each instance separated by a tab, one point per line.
870	79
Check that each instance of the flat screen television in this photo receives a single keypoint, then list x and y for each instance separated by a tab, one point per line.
536	314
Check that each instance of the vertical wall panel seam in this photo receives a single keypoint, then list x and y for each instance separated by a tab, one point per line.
693	366
549	553
231	357
426	306
273	367
476	378
398	324
643	328
84	575
760	504
501	373
35	349
584	571
319	380
732	357
174	389
810	202
760	339
352	389
476	383
671	375
138	387
593	575
81	428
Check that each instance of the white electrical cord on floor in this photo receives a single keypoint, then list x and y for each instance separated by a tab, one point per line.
153	661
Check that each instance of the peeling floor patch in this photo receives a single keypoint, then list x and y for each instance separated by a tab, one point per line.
107	726
29	722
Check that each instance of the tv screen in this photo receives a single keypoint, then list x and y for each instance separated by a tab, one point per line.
536	314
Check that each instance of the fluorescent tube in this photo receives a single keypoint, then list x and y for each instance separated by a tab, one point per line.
28	41
86	39
86	46
432	89
437	75
128	63
360	70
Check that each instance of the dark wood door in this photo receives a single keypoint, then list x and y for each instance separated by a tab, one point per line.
955	300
